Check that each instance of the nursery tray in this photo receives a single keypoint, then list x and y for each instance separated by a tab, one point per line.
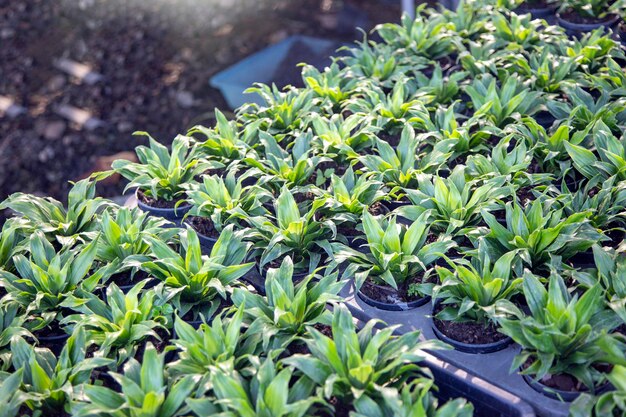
274	64
482	378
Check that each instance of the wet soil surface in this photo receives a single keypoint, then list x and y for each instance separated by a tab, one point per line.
468	332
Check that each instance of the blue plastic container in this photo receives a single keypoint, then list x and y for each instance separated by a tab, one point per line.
261	67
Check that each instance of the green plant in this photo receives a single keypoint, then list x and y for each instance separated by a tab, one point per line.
123	234
539	233
582	110
119	324
221	344
437	89
419	37
375	62
331	86
342	138
605	200
275	166
558	335
282	112
455	203
545	71
301	236
611	155
288	308
11	396
48	381
350	195
398	255
145	392
66	226
161	174
469	290
415	399
12	237
223	199
271	391
11	321
612	403
399	167
392	111
192	282
508	158
611	274
224	144
502	105
352	364
48	282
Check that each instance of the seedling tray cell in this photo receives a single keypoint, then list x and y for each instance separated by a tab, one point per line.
488	382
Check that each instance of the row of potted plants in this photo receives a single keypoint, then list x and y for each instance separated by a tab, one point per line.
471	158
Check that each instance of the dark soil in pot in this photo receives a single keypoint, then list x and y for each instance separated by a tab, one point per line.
470	337
576	24
342	408
159	345
203	226
53	339
195	321
161	204
621	329
538	8
300	347
385	297
126	282
562	387
25	411
545	119
392	139
162	208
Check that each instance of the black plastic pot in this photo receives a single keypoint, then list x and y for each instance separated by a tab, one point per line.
54	342
393	306
557	394
544	119
472	348
538	12
392	205
206	242
485	379
175	215
577	29
257	279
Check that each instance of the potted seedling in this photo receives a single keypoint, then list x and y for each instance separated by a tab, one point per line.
141	383
160	176
281	317
394	273
61	225
300	236
48	284
218	202
194	284
561	345
123	234
124	322
348	365
542	233
47	379
266	389
346	200
580	16
612	403
463	300
223	343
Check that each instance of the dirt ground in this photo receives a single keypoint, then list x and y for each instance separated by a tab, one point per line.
154	77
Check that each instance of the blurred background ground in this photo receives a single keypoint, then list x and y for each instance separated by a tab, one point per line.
151	61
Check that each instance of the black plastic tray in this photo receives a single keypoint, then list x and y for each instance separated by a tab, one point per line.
482	378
